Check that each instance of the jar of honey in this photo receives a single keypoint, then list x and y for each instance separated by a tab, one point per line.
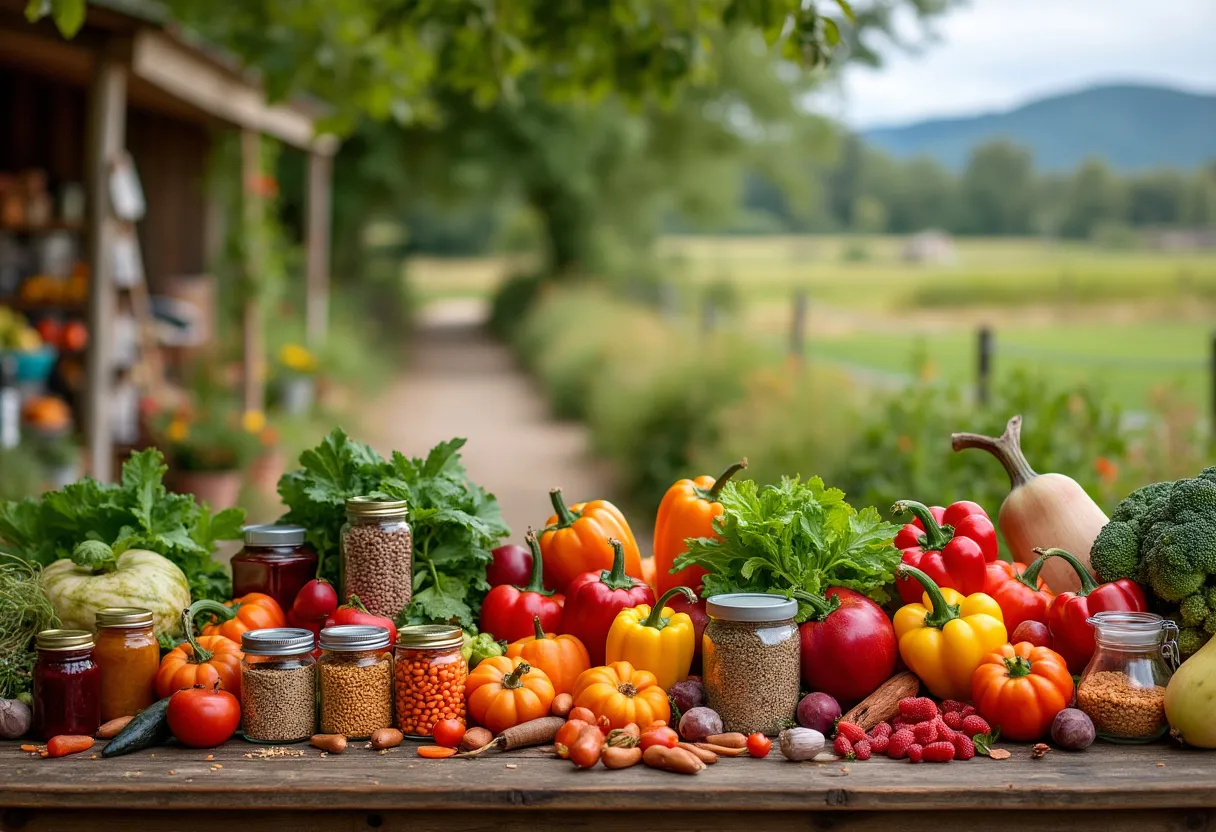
275	561
128	657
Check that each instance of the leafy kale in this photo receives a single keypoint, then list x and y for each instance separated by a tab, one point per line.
137	513
454	522
795	536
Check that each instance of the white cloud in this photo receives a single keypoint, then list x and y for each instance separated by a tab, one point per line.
995	54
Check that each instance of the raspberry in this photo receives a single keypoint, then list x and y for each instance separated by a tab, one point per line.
973	725
882	729
880	744
851	730
938	752
964	748
900	722
915	753
925	732
899	743
918	708
969	710
862	749
953	720
952	706
842	747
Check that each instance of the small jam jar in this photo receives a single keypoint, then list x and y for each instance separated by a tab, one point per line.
430	677
67	684
275	561
128	656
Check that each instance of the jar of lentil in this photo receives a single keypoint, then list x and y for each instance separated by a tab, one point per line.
127	656
377	555
67	684
1123	687
278	685
275	561
430	674
356	680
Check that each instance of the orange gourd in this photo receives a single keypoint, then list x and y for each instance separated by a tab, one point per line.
562	658
253	611
1020	688
202	660
503	692
622	694
688	510
575	540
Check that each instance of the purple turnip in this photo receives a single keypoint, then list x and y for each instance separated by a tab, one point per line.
1072	729
819	712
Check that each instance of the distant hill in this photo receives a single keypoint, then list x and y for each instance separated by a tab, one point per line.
1133	127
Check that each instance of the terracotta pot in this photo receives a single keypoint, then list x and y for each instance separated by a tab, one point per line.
265	471
218	489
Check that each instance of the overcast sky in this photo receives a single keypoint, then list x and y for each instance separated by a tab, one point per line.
995	54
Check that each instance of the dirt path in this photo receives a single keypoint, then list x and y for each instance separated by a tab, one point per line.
460	382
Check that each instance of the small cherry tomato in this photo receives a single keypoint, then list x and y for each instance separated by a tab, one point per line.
448	732
203	718
662	735
758	745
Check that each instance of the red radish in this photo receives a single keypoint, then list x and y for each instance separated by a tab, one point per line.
1035	632
512	565
848	645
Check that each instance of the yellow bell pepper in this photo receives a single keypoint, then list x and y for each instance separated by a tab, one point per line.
658	640
946	638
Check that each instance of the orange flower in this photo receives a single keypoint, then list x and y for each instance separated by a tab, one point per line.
1107	470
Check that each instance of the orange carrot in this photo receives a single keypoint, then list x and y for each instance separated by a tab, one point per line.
435	752
66	744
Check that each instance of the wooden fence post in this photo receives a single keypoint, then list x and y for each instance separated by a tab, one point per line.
709	316
984	366
1212	393
798	326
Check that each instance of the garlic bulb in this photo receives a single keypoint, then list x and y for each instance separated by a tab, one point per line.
800	744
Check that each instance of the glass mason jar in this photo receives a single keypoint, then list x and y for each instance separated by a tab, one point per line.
275	561
750	657
1123	687
67	684
377	555
430	675
127	656
356	680
278	685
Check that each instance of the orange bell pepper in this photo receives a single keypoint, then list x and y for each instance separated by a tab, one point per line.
1020	688
688	510
575	540
253	611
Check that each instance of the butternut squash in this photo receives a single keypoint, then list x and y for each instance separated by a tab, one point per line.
1041	509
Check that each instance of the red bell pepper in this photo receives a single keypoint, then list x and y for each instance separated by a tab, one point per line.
508	611
950	558
1072	635
1018	591
595	599
848	645
353	612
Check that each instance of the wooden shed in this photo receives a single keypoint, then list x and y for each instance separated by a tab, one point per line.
129	86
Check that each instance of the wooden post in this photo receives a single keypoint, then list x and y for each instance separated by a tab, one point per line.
984	375
798	326
320	185
1212	394
106	137
254	359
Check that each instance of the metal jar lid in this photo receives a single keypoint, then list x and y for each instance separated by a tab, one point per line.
430	636
63	640
351	638
273	534
751	607
277	641
371	507
124	617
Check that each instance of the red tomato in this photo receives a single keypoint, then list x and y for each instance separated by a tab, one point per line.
512	565
316	599
448	732
48	331
758	745
659	735
202	718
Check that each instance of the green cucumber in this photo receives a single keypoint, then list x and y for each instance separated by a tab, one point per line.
149	727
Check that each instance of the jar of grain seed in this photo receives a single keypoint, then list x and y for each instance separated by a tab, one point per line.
430	675
278	685
377	562
356	680
750	658
1123	687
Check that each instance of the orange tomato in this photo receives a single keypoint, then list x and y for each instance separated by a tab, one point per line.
622	695
502	692
562	658
1020	688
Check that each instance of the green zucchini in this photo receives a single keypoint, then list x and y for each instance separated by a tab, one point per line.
149	727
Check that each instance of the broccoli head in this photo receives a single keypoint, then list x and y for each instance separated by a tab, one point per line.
1133	507
1190	639
1116	551
1193	610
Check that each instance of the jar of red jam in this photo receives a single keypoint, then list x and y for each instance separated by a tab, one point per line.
67	684
275	561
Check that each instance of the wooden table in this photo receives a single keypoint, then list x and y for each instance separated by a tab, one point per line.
1107	787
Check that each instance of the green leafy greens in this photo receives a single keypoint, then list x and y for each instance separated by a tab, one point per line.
795	536
136	513
454	522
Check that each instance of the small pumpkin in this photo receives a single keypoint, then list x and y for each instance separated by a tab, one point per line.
202	660
562	658
253	611
503	692
622	694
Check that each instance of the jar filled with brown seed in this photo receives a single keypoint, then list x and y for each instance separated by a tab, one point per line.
278	685
377	555
1123	687
356	680
750	656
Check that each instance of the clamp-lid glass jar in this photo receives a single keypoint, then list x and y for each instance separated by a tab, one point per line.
67	684
750	657
278	685
430	670
128	657
356	680
275	561
377	555
1123	687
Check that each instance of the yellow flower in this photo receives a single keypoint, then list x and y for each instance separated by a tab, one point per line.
253	421
178	430
297	358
